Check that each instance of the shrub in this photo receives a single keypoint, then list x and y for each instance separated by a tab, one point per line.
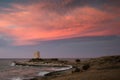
76	69
85	66
77	60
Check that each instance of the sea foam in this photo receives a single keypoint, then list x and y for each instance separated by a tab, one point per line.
16	78
43	73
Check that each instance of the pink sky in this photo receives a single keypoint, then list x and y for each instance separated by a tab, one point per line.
27	23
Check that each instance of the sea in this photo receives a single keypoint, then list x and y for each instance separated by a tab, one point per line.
10	72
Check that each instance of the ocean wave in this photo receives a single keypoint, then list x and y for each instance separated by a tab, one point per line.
21	78
16	78
43	73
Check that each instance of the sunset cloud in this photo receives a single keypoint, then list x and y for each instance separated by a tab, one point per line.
48	20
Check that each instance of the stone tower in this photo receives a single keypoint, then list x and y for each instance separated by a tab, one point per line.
37	54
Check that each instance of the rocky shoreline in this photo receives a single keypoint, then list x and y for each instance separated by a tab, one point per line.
108	67
103	68
61	70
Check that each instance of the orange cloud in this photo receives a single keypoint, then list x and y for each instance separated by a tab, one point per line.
34	22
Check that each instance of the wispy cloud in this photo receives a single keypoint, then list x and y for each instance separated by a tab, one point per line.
48	20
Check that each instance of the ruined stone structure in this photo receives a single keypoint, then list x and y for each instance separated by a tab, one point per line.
37	54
